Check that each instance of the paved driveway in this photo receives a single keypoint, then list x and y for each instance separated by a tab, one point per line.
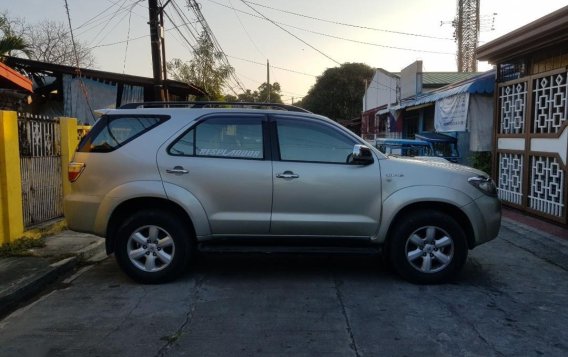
510	300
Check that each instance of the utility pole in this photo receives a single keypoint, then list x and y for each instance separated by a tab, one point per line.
158	52
268	79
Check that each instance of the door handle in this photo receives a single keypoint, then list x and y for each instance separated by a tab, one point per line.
177	170
287	175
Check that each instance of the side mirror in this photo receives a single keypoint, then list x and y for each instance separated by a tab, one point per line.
361	155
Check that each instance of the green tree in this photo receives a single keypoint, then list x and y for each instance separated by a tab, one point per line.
46	41
260	95
205	69
339	91
11	43
274	90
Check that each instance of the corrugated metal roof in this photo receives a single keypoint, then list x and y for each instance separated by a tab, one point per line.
443	78
481	84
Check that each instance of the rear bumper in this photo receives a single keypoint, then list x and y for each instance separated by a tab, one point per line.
80	213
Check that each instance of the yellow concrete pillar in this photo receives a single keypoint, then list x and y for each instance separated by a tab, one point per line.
69	142
11	211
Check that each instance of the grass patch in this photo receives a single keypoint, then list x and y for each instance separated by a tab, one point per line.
21	247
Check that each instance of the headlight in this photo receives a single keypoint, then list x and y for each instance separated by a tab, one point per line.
484	184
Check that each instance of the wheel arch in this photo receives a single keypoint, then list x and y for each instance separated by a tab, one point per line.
446	208
126	208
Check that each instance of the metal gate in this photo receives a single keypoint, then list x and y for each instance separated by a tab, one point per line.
40	165
532	144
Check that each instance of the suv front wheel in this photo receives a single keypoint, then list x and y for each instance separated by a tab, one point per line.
428	247
152	246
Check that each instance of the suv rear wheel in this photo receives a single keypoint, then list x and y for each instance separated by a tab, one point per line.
428	247
152	246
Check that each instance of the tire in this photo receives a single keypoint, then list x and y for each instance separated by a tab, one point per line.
153	247
428	247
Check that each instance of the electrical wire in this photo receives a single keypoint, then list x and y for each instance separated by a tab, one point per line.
195	7
333	36
246	32
132	39
177	28
78	69
348	25
127	41
272	66
190	24
291	34
113	27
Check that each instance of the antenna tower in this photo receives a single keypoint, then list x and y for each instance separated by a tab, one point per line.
466	26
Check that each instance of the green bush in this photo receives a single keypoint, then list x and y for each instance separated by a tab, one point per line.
482	160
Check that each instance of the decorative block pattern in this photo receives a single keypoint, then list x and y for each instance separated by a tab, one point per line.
513	99
548	184
511	177
550	103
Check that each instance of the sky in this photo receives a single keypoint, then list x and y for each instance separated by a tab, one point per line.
300	38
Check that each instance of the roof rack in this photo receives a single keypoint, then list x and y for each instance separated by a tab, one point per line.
217	104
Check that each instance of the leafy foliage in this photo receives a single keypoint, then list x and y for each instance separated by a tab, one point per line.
339	91
260	95
47	41
205	69
10	42
482	160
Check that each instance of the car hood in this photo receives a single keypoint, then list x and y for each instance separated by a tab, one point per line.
399	173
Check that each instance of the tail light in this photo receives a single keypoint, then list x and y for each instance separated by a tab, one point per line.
74	170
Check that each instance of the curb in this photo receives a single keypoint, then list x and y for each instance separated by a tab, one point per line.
34	284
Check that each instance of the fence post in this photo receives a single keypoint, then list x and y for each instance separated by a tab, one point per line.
11	211
69	142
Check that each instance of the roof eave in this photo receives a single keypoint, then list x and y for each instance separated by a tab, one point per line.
18	80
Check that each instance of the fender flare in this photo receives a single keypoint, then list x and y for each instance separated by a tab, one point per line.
152	189
401	199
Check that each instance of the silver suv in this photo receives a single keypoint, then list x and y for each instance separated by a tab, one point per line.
161	182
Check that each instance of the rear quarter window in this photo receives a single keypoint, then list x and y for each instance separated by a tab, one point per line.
114	131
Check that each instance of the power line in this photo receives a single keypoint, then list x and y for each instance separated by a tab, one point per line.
246	32
133	39
101	20
179	31
107	24
187	22
346	24
272	66
195	7
291	34
333	36
78	69
370	43
127	40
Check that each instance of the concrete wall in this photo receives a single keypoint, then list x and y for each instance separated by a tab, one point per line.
11	211
382	90
411	80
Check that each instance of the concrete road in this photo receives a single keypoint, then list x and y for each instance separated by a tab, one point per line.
511	300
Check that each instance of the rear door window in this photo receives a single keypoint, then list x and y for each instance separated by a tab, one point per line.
112	132
224	137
